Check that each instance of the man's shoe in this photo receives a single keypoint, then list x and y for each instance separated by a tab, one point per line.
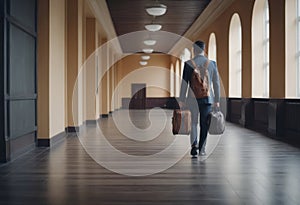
202	153
194	151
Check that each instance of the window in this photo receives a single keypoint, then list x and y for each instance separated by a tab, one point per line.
177	79
186	55
235	57
172	77
266	45
212	47
292	73
179	66
260	47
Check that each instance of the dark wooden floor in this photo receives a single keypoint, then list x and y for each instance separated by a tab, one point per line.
245	168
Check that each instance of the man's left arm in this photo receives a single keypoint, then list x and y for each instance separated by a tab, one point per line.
216	84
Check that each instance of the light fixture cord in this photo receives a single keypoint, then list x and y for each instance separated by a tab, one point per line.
153	19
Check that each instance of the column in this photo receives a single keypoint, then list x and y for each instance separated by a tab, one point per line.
90	70
277	68
74	61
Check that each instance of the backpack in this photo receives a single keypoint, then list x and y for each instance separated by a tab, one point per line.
200	86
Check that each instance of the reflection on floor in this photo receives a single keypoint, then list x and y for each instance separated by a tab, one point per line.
244	168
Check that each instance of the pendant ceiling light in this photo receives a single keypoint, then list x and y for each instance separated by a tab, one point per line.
147	50
143	62
150	42
153	27
145	58
156	9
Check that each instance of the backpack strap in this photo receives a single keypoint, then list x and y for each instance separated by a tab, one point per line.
196	67
194	64
206	64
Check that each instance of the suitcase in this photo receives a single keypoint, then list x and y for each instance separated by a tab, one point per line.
181	122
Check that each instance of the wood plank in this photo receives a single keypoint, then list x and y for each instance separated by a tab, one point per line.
245	168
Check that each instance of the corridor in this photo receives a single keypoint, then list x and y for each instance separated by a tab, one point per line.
88	87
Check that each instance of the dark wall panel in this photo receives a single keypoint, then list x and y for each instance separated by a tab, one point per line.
3	150
292	117
277	118
22	117
261	115
21	63
24	12
18	75
22	144
235	108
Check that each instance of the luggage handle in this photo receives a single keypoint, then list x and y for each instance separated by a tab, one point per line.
216	109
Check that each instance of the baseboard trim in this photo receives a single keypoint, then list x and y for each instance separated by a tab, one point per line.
103	116
43	142
72	129
50	142
90	123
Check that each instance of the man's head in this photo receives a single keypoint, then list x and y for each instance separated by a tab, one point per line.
199	47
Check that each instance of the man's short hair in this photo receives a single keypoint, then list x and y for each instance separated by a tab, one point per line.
199	47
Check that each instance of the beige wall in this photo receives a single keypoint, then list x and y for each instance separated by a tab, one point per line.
291	48
43	70
277	58
103	92
72	55
277	54
99	66
90	69
98	38
103	83
51	68
156	75
74	60
57	67
67	35
81	58
221	29
59	60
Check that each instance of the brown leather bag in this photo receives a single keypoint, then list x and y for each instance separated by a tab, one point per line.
181	122
200	86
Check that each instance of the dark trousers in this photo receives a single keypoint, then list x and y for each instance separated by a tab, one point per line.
204	110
